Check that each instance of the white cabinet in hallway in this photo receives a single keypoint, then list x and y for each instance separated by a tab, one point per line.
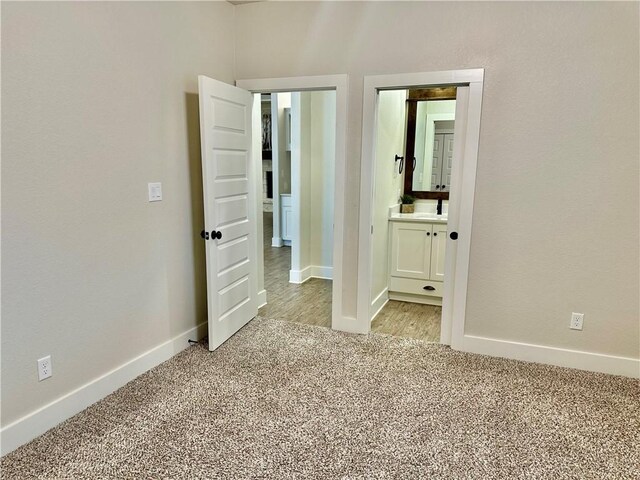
417	261
286	218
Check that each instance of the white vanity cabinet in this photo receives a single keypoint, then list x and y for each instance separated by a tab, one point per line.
416	265
286	217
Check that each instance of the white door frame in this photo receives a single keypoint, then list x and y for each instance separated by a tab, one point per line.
468	111
339	83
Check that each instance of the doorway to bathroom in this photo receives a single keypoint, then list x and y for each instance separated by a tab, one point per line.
420	142
415	135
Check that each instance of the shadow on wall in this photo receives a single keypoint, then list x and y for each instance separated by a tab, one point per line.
197	206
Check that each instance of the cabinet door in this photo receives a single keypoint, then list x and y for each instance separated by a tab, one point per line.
287	216
410	250
438	244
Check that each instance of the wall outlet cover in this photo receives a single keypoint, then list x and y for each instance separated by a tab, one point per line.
576	321
45	369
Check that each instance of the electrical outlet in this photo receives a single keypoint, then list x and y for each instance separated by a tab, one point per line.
576	321
44	368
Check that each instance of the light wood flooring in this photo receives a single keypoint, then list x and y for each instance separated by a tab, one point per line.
310	302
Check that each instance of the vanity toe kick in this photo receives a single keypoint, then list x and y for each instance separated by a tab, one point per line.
415	286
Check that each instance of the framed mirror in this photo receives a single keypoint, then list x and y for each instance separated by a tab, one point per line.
429	142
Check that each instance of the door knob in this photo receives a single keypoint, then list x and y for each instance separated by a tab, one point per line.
453	235
204	235
216	234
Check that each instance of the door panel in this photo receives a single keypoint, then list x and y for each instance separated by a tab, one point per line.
436	165
447	161
411	253
438	244
225	129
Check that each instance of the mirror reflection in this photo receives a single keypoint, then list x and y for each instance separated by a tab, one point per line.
435	122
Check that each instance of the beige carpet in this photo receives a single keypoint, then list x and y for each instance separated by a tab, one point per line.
282	400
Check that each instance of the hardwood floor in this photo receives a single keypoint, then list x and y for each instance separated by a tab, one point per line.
310	302
406	319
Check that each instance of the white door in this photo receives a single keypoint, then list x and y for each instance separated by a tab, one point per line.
436	162
447	162
229	208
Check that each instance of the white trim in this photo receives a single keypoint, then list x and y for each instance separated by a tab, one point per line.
262	298
349	325
277	242
593	362
275	165
339	83
380	301
325	273
312	271
466	164
300	276
39	421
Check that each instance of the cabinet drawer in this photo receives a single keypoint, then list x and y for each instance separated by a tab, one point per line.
415	286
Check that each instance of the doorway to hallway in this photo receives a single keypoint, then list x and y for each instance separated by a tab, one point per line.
308	302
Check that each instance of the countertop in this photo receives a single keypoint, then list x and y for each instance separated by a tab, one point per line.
418	217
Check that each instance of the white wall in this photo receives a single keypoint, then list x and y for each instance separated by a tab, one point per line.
555	225
99	98
388	183
313	116
284	101
322	164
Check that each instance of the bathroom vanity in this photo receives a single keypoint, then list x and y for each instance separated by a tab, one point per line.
416	264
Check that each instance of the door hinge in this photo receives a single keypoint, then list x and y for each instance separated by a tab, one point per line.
371	229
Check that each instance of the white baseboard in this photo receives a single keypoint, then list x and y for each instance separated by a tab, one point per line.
299	276
39	421
322	272
349	325
276	242
593	362
312	271
262	298
379	303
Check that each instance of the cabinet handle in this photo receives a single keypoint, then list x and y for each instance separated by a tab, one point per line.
435	234
437	187
429	287
443	186
428	233
453	235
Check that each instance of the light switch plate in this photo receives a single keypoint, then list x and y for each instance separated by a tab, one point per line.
155	192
